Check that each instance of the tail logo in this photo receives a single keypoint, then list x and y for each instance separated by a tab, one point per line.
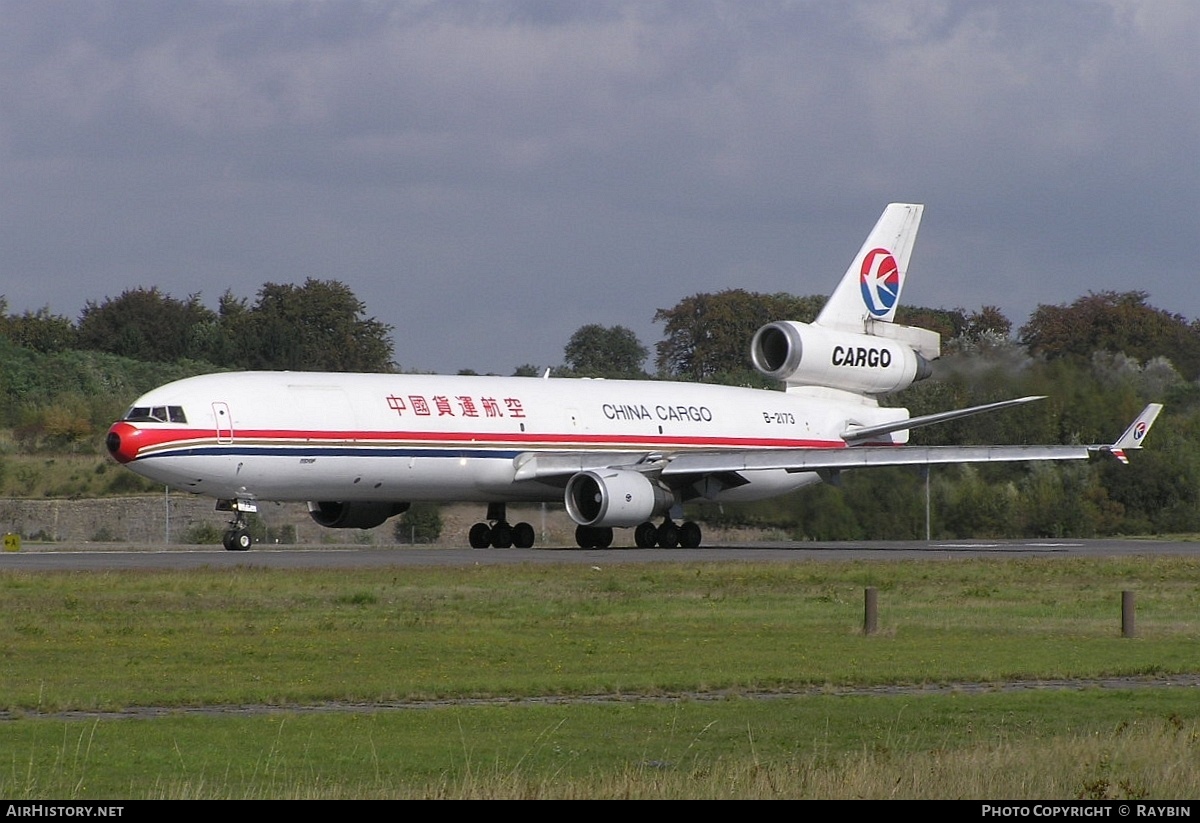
1140	431
880	279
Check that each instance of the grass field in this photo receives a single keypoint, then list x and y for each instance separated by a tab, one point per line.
688	680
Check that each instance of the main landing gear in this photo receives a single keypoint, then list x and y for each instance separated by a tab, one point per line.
500	534
669	535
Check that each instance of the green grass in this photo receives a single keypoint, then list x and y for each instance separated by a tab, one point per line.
110	640
675	650
1122	745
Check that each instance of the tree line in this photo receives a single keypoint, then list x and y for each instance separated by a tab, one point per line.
319	326
1098	359
63	382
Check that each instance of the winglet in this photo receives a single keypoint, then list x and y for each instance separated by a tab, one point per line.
1136	433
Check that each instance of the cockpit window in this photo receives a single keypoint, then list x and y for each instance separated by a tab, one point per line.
156	414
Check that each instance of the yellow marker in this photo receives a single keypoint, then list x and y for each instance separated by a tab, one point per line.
12	542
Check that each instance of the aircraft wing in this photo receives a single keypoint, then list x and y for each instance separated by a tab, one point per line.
551	466
731	466
857	457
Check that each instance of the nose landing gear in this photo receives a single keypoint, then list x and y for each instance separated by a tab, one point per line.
237	537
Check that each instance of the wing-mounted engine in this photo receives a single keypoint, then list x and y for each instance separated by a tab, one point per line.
338	515
615	498
886	359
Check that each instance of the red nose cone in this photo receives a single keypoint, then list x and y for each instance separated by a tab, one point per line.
123	441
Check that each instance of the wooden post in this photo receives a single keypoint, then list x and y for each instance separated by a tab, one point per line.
928	528
1128	621
871	610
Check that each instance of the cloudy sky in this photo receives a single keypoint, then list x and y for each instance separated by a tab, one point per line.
488	177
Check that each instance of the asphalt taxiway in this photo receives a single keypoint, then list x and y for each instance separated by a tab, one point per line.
111	557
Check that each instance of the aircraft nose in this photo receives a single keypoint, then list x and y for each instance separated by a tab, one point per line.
122	442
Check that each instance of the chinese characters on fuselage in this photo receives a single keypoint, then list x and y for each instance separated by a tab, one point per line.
462	405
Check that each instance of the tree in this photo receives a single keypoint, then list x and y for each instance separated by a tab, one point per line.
600	351
1114	322
40	331
706	335
949	323
989	321
143	324
314	327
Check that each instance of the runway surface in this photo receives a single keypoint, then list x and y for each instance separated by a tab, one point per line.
108	557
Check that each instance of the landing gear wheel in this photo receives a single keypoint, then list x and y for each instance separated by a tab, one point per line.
502	535
593	537
237	540
668	535
645	535
690	535
523	536
480	536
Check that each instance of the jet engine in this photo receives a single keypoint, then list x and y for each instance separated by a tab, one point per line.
335	515
803	355
615	498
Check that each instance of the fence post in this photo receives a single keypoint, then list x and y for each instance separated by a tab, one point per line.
1128	619
871	610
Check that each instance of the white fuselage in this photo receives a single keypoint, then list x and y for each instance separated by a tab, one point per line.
285	436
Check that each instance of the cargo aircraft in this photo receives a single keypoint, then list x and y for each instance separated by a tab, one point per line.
360	448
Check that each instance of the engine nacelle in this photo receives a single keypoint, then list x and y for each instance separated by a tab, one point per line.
615	498
338	515
804	355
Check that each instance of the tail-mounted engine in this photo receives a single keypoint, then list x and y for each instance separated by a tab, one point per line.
337	515
805	355
615	498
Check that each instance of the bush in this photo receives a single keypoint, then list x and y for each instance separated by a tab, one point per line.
284	535
202	534
422	523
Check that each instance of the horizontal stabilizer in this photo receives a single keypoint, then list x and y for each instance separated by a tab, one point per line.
863	433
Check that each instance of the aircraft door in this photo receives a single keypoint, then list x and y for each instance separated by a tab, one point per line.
224	422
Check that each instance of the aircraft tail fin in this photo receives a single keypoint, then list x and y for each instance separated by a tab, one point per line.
1136	433
870	289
